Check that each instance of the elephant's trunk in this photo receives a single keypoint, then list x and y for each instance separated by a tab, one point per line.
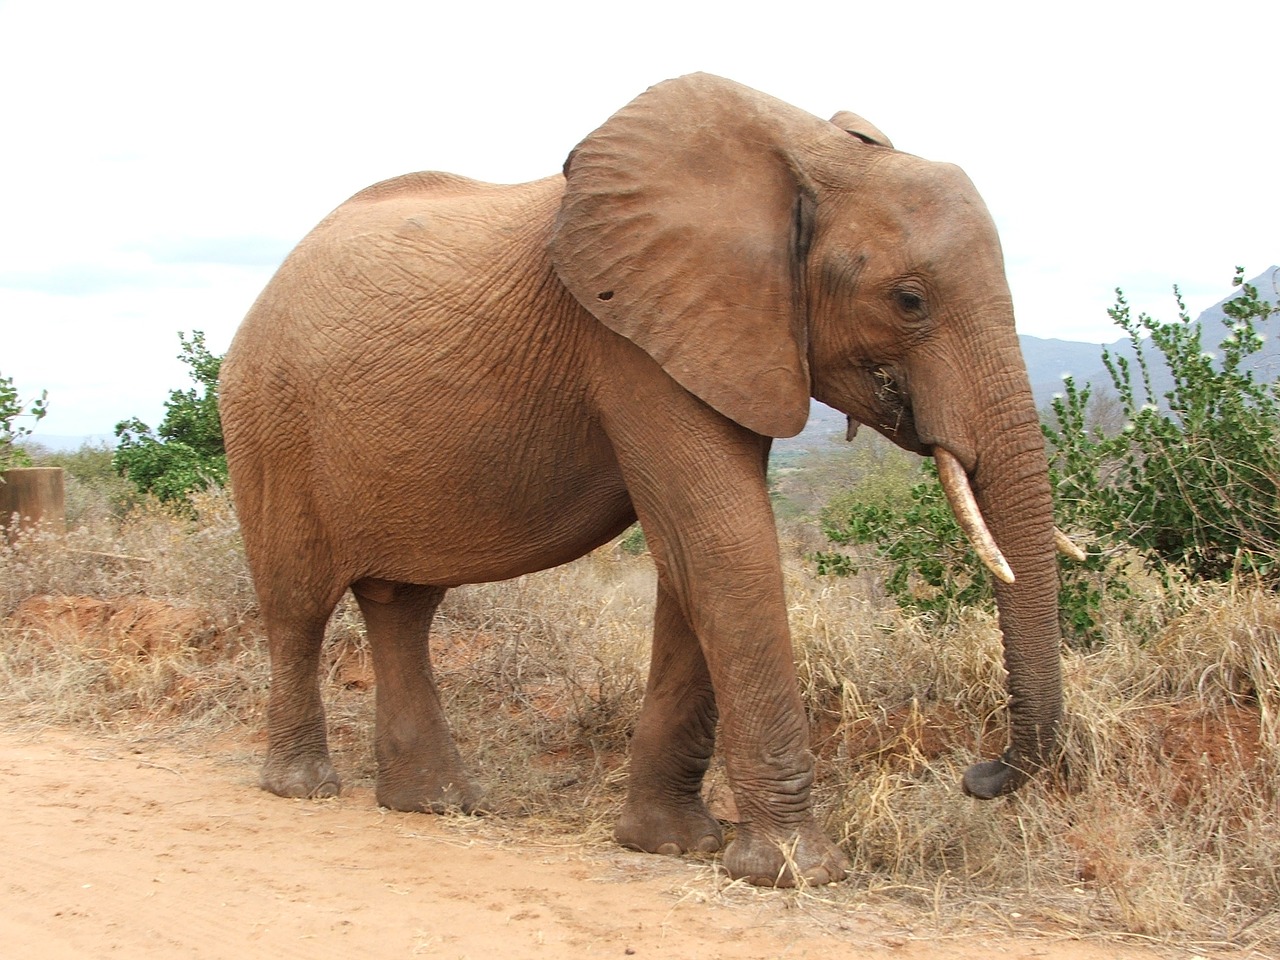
1011	485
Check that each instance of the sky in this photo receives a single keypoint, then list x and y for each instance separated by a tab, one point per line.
158	160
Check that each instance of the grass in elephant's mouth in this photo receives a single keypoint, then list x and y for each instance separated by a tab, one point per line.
1163	819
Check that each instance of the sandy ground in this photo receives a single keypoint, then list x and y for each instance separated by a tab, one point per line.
148	850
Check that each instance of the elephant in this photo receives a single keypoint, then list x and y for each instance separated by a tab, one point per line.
450	382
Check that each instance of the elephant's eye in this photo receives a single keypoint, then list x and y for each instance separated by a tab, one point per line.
909	301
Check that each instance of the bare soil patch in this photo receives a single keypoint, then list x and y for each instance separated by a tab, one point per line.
144	849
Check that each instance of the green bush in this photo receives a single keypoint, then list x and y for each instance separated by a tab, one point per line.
185	454
633	543
93	462
11	408
930	566
1192	480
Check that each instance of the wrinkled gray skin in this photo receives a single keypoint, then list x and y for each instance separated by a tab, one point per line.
450	382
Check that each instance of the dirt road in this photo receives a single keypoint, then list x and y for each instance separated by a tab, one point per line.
145	850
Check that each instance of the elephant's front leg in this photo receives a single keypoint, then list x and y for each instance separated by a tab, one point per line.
765	739
705	507
739	615
672	744
419	768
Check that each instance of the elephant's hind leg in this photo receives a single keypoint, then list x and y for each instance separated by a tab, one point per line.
672	745
419	768
297	763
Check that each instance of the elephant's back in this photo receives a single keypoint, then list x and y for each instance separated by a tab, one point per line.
423	301
424	254
429	183
422	232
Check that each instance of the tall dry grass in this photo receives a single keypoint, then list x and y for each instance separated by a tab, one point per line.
1162	819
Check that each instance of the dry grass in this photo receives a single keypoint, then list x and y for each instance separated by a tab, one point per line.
1162	821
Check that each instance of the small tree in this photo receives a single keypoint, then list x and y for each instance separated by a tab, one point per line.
13	407
1192	480
186	452
931	567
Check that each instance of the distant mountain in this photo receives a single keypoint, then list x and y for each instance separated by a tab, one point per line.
1048	360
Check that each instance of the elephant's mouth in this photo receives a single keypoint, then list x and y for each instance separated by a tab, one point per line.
891	412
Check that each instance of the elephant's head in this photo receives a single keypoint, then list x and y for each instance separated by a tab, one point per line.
762	256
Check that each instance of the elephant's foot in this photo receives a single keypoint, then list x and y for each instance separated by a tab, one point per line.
803	858
652	827
305	776
424	796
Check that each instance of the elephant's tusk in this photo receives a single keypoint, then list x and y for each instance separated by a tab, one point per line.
1067	547
955	484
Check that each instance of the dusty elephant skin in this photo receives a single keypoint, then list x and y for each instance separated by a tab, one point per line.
450	382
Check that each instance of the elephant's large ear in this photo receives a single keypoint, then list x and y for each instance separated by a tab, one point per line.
863	129
684	228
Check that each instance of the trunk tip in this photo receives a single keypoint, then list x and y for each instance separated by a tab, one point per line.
992	778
